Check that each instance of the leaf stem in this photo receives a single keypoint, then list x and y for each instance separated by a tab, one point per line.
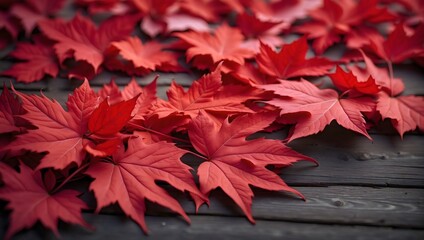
159	133
80	169
198	155
344	93
390	65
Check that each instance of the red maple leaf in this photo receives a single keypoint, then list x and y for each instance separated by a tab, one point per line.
81	103
40	60
343	18
164	17
9	29
321	106
347	81
104	124
82	40
399	45
33	11
406	112
107	120
58	132
232	163
10	112
284	10
257	30
290	61
147	96
115	7
206	93
31	201
129	178
134	57
391	85
223	45
210	11
249	74
110	91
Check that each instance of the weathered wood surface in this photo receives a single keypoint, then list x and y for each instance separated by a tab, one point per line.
216	227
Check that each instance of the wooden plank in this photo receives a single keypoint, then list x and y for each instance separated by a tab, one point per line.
209	227
350	159
390	207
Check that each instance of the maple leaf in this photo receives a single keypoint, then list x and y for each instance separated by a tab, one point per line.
232	163
183	22
155	8
115	7
9	29
142	58
104	124
81	103
290	61
346	81
10	109
206	93
252	26
323	107
59	133
389	84
107	120
147	96
33	11
223	45
284	10
163	17
111	92
335	19
172	22
250	75
30	201
40	60
129	178
81	40
257	30
406	112
399	46
210	10
103	148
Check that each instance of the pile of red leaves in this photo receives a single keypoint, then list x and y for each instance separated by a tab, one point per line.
122	142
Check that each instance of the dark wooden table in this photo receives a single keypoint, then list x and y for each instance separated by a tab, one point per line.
361	190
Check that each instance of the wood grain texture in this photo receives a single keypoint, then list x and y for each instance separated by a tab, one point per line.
390	207
212	228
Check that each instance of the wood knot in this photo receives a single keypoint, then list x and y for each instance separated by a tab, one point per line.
338	203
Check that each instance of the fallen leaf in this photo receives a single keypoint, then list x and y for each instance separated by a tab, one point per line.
30	201
322	105
129	178
232	163
290	61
